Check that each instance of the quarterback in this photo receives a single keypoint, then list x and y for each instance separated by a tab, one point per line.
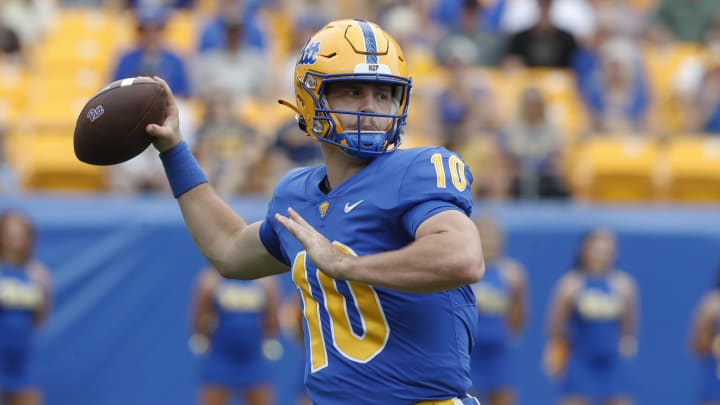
378	239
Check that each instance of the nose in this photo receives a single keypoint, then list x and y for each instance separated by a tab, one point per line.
368	102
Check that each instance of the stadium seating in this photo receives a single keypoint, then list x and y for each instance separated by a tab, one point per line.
618	168
692	169
49	162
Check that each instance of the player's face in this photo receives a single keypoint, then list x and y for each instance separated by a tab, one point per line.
599	252
16	237
361	97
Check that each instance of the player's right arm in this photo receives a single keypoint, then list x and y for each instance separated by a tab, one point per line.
229	243
557	350
702	329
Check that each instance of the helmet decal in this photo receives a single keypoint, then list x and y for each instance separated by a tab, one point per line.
370	43
308	56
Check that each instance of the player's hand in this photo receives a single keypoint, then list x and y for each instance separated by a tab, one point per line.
319	249
168	134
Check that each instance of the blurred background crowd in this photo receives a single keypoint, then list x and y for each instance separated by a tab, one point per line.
603	100
552	100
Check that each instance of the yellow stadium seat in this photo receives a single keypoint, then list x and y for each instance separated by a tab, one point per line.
80	37
49	163
182	31
615	168
693	169
564	109
13	92
57	101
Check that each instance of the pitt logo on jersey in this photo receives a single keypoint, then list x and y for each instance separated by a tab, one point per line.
308	56
323	208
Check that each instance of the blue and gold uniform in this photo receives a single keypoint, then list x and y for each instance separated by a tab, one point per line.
365	344
235	357
595	368
491	357
20	298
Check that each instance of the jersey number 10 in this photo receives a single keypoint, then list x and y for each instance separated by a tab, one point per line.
456	168
358	347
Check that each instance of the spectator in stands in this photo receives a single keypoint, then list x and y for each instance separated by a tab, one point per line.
213	32
228	149
534	147
236	68
448	13
235	326
139	175
611	81
151	55
465	107
292	148
542	45
705	344
10	48
683	20
592	326
574	16
408	22
30	20
24	305
619	18
482	46
704	112
501	297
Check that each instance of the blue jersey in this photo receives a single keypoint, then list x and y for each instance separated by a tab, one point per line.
596	369
239	307
365	344
492	295
235	358
20	297
596	321
492	360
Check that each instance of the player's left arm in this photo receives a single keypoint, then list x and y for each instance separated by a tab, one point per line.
628	332
516	276
445	254
40	275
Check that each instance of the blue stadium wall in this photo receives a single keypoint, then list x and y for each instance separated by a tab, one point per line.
123	269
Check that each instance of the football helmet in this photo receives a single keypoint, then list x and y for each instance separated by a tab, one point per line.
357	51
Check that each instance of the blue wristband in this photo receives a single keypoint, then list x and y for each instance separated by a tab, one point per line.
182	170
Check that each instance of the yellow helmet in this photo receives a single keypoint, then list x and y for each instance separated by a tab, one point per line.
350	50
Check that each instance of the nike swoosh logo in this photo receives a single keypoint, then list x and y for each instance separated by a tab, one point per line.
350	207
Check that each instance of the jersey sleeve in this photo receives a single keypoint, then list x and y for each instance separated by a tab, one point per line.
270	240
268	232
435	180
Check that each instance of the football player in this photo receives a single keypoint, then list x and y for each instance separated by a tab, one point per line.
378	239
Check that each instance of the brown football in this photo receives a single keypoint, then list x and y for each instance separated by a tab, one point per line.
111	126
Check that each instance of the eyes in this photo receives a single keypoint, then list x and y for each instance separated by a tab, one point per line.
357	91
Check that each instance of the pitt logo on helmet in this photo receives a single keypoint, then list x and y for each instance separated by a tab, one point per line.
308	56
358	51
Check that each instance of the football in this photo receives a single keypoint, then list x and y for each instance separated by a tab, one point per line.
111	126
